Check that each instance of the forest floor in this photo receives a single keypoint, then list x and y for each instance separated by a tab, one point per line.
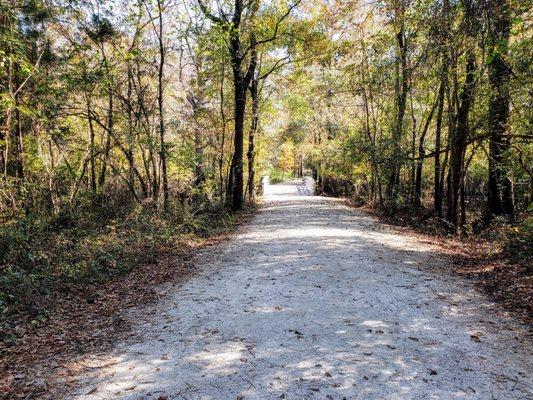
313	299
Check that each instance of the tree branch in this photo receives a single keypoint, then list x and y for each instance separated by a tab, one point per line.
210	15
276	28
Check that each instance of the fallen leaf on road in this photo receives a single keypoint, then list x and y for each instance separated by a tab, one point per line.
476	337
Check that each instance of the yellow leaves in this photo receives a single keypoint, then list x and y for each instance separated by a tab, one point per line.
287	158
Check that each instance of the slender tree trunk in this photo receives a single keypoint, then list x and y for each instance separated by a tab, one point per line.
92	147
6	143
107	146
2	144
444	175
420	161
237	162
401	98
459	140
240	83
160	93
131	132
199	176
500	188
413	162
15	130
372	141
251	137
437	196
223	139
463	203
19	144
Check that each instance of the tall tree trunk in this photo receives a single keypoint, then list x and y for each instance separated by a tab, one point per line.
500	188
17	149
372	141
19	144
237	162
437	196
420	160
459	140
242	76
443	86
160	93
223	138
401	98
254	89
107	146
461	132
3	136
92	147
241	82
131	132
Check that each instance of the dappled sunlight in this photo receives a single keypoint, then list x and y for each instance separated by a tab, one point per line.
311	300
223	360
374	324
269	309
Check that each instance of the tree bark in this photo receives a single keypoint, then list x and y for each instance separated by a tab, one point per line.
437	196
107	146
160	100
238	142
223	138
401	98
254	89
420	161
459	140
19	144
500	188
461	131
92	148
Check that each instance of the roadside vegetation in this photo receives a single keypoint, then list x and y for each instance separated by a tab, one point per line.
84	246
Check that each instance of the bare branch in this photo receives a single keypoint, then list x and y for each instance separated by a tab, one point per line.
210	15
276	28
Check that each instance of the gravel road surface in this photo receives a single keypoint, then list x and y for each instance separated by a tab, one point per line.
314	300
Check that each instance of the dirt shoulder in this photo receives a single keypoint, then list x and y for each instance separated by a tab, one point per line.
91	320
478	257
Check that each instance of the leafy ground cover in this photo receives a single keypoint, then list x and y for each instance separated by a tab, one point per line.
66	279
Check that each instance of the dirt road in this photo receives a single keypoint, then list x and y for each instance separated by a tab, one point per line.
314	300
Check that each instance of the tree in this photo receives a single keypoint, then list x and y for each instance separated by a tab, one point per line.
460	132
401	88
160	103
241	48
500	188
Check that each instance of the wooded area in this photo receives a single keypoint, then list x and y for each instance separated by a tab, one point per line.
128	122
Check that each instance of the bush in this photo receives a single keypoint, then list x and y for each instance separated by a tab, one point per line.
277	176
520	242
41	258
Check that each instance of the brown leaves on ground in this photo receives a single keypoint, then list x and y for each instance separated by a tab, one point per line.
509	283
482	258
78	326
87	322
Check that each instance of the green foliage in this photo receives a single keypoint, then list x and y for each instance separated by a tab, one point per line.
41	258
276	176
519	242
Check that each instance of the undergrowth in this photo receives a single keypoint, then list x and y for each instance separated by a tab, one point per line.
43	257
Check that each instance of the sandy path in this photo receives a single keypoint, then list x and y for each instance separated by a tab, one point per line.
315	300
